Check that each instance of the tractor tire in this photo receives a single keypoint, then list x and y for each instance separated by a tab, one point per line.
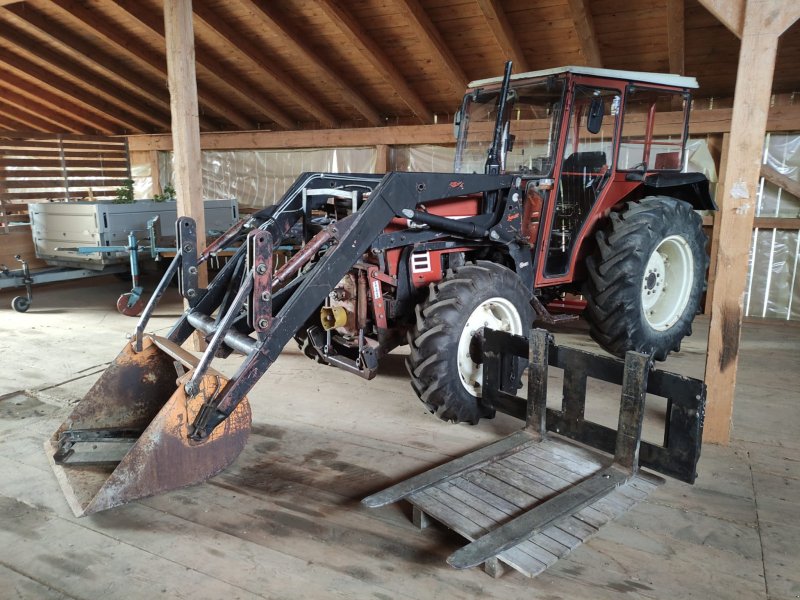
444	363
647	278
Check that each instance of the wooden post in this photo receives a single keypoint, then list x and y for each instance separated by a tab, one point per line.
179	36
719	195
382	160
183	104
764	21
155	172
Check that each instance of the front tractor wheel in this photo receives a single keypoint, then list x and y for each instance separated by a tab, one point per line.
647	278
445	360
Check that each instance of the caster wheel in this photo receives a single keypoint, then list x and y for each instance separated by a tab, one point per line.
20	304
131	310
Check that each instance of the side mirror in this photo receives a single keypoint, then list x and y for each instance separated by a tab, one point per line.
594	120
457	123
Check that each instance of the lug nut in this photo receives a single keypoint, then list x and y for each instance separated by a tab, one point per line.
192	270
263	323
265	296
261	269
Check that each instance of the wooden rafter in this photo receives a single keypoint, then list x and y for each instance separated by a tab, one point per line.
57	102
146	88
136	50
262	13
63	87
137	114
675	36
32	121
370	50
429	36
257	57
728	12
37	108
587	35
12	124
503	33
213	69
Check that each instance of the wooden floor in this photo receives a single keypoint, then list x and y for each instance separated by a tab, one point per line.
285	521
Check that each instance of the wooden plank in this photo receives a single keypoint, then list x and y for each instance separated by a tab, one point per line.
263	14
432	40
142	54
504	34
228	84
477	458
28	184
106	165
782	118
729	12
374	54
749	125
675	36
776	223
71	157
782	181
251	53
587	35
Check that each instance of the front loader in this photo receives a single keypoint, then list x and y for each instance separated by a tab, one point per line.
427	259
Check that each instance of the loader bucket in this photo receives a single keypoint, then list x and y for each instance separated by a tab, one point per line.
128	438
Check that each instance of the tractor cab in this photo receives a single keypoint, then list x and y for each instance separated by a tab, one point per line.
582	140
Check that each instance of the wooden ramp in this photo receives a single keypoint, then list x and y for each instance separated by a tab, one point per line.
532	497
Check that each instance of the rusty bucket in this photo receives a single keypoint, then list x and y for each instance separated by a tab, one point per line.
129	437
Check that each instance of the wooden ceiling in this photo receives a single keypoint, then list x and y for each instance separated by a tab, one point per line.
98	66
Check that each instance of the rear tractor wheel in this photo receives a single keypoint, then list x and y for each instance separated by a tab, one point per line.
445	360
647	278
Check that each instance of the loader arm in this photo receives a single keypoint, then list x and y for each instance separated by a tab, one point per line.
351	238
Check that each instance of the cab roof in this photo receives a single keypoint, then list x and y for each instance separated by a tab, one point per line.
633	76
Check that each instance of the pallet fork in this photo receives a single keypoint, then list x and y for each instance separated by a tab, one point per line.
530	498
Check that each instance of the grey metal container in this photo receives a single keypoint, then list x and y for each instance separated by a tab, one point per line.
70	224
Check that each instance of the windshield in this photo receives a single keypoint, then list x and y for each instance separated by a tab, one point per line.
534	111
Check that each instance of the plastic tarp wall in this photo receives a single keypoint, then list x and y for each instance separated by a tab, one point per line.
773	286
439	159
258	178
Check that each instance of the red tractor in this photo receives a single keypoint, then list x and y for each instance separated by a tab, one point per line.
560	185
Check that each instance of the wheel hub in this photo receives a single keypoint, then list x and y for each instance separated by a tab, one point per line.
667	282
495	313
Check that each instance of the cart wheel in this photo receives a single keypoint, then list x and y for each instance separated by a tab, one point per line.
20	304
132	311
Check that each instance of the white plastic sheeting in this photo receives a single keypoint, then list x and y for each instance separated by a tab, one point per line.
258	178
439	159
773	286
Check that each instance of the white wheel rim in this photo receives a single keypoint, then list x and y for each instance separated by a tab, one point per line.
495	313
667	283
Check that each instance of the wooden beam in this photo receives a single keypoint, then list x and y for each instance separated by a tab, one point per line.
382	158
729	12
64	87
429	36
757	54
675	36
148	89
179	35
135	48
264	15
360	38
251	53
781	118
213	69
31	120
503	33
781	180
36	108
13	124
713	248
587	35
58	103
138	115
